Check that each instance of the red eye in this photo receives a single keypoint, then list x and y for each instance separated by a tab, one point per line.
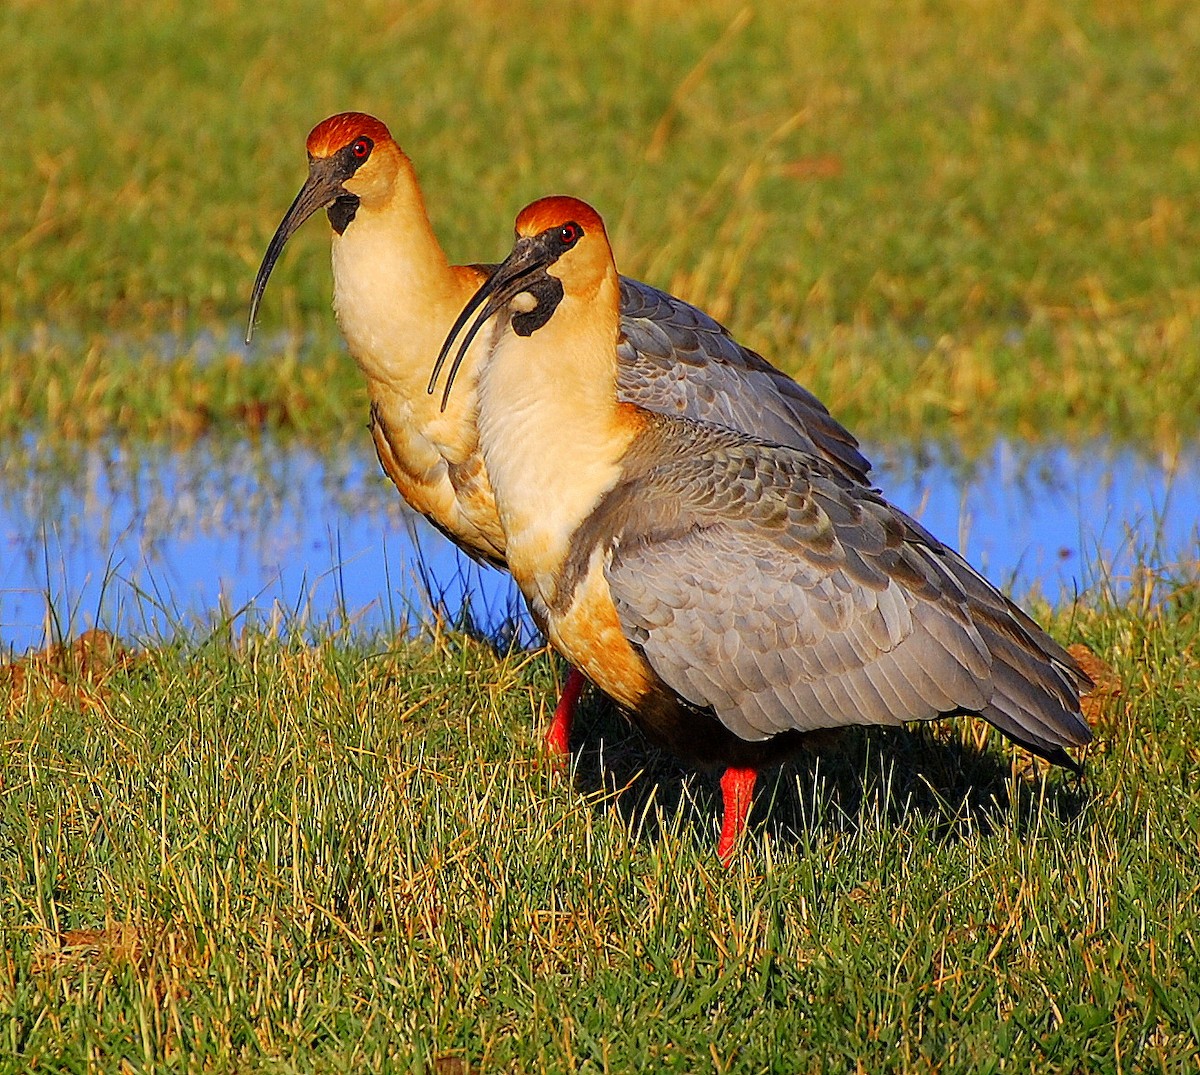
570	234
361	148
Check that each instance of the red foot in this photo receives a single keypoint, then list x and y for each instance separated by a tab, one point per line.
737	788
558	735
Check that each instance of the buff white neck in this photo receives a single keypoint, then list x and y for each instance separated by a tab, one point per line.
394	293
552	432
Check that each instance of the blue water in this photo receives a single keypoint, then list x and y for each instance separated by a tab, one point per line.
153	546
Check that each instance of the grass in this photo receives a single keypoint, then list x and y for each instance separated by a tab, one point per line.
241	854
938	216
131	392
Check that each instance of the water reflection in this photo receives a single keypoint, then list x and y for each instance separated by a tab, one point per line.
153	545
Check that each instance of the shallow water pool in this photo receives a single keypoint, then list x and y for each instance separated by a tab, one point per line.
148	546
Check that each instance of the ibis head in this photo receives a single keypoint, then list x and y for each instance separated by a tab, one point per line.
352	159
561	246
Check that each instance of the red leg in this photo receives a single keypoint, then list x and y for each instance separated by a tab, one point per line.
737	788
558	735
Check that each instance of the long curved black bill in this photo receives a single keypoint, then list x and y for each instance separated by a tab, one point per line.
507	281
320	190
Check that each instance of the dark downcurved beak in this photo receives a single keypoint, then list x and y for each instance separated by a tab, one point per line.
515	274
320	190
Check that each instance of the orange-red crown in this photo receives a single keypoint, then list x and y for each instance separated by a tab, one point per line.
548	213
332	134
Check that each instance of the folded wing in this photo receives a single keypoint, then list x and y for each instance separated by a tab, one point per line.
759	582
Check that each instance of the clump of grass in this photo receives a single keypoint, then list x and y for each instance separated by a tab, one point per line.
243	852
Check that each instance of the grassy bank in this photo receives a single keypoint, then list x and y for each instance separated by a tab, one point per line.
936	216
244	855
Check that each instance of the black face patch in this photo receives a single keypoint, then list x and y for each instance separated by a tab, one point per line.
345	162
548	291
352	157
342	211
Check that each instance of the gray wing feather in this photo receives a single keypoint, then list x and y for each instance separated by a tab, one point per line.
762	584
676	360
786	643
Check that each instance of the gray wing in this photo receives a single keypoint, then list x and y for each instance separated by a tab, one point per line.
675	359
761	584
